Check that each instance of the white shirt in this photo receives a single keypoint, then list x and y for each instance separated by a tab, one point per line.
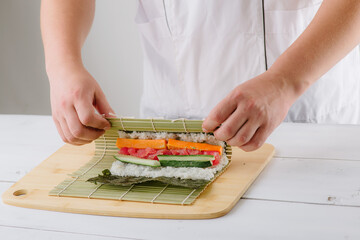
197	51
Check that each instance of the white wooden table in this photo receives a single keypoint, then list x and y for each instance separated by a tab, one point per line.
310	190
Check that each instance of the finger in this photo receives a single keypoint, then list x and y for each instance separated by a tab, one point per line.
68	136
219	114
58	127
245	133
78	130
230	126
257	140
102	105
88	117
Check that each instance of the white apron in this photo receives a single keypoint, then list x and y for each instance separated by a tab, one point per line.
197	51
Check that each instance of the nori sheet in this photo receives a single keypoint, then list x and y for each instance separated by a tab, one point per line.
108	178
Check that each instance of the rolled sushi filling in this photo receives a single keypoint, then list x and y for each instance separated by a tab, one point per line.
152	153
125	170
195	173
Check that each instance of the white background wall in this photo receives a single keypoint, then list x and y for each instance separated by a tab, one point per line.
112	54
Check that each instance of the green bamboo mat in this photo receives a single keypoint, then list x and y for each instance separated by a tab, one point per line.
105	148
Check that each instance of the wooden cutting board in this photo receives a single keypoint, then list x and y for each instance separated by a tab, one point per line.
217	200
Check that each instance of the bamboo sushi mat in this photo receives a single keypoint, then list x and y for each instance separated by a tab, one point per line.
105	148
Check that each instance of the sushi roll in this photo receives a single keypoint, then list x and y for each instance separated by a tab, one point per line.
179	159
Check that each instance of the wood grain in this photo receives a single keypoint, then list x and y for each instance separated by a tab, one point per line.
217	200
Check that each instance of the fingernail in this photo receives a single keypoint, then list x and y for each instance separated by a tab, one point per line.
210	124
112	114
107	128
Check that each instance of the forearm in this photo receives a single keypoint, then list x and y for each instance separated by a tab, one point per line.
65	25
332	34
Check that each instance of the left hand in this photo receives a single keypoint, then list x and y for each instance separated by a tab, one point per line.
249	114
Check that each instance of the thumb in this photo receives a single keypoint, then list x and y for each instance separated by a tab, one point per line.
102	105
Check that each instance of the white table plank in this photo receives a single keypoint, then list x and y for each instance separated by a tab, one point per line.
331	182
28	130
250	219
17	160
297	180
290	139
19	233
317	141
25	142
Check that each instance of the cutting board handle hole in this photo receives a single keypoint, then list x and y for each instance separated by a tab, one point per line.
20	192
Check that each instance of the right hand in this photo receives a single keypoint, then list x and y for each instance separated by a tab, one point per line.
75	97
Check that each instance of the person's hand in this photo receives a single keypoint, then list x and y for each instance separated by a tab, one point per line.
248	115
75	97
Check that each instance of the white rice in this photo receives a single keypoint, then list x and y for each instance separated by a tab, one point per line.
190	137
125	169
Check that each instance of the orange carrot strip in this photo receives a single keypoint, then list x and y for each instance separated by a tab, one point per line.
176	144
141	143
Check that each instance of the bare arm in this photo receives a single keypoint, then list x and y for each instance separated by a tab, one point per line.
65	25
75	95
255	108
333	33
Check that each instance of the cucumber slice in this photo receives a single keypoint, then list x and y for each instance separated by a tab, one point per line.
137	161
201	161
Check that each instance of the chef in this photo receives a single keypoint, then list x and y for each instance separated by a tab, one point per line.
243	65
